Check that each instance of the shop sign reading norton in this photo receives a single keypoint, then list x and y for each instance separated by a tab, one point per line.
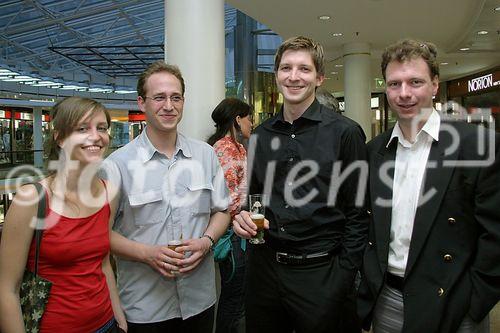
480	83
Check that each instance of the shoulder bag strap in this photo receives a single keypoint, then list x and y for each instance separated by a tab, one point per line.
42	204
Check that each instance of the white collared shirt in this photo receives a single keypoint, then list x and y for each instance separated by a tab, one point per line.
411	160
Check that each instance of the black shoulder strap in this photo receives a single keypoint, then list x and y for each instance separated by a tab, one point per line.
40	221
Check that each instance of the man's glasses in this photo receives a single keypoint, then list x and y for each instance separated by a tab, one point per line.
174	99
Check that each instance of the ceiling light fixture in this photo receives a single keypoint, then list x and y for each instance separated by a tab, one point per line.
324	17
4	72
497	9
73	87
100	90
465	49
339	65
444	63
482	32
337	34
20	78
46	84
334	73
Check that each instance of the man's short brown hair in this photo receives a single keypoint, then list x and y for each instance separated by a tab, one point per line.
302	43
158	67
408	49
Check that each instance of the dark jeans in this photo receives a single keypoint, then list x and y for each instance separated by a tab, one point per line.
200	323
110	327
231	308
303	298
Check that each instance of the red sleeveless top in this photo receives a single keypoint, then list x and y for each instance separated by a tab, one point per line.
71	254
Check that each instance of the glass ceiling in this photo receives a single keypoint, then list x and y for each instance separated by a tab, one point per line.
100	42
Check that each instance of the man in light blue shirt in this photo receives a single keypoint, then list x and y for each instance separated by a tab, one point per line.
171	188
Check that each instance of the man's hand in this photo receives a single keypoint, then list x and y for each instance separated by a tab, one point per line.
198	247
164	260
244	227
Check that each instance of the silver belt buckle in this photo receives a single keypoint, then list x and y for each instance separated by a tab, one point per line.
278	257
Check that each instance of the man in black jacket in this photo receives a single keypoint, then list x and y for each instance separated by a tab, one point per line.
432	261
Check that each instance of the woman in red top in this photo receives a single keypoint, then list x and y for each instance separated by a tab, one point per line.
233	125
74	251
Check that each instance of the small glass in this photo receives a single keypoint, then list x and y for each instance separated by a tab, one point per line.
172	244
257	211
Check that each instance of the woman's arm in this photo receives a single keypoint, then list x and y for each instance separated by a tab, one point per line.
108	270
14	247
113	294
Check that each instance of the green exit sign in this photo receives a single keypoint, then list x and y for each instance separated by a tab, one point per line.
379	83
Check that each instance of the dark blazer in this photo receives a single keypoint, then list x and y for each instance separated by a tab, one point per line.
453	266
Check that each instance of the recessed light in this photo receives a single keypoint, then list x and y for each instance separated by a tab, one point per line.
444	63
334	73
339	65
324	17
482	32
337	34
465	49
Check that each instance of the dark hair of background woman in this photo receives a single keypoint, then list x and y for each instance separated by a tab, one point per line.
224	116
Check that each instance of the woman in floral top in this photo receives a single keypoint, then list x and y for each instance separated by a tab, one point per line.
233	125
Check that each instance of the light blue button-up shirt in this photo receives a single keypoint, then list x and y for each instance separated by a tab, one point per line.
164	199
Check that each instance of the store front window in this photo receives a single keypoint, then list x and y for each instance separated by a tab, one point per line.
489	102
250	49
16	132
479	94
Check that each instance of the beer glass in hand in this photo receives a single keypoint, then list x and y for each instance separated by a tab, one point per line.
173	244
257	209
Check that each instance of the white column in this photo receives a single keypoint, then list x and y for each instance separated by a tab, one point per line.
37	137
194	41
357	85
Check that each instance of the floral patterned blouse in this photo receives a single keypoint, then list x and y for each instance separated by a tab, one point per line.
233	159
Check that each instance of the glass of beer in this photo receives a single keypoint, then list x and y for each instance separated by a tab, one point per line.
172	244
257	210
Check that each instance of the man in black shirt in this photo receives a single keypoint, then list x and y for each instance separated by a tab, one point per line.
311	162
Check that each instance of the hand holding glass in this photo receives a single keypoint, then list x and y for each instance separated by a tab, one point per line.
257	210
173	244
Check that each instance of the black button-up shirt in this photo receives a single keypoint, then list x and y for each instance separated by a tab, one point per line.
298	160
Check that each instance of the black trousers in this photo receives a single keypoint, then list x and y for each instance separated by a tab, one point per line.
304	298
200	323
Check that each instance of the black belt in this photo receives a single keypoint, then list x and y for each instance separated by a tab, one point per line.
303	259
394	281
